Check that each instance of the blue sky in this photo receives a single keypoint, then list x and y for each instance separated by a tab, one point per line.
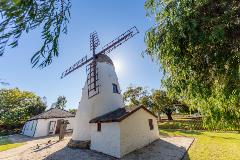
110	19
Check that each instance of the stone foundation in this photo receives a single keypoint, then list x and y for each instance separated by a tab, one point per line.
79	144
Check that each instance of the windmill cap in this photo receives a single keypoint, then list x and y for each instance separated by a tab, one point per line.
103	58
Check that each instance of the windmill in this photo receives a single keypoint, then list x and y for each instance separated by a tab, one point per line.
91	68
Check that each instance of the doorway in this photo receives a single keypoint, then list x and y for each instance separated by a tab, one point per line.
58	126
51	127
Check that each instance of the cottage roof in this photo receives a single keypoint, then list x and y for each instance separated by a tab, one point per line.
118	115
53	113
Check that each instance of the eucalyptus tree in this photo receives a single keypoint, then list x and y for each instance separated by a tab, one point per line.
73	111
16	106
135	96
197	43
161	103
61	102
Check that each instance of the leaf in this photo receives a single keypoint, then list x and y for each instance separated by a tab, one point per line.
23	16
196	44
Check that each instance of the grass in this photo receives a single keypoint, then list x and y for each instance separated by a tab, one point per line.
6	144
209	145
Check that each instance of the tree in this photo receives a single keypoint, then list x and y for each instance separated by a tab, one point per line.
183	108
22	16
197	44
17	106
135	96
73	111
61	102
161	103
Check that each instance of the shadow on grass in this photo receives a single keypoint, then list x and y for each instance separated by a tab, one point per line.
4	141
6	144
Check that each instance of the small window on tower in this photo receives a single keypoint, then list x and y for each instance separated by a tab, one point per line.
99	127
115	88
150	121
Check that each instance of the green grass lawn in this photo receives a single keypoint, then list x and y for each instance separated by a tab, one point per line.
6	144
209	145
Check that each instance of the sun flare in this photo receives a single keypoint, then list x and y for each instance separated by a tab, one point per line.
118	66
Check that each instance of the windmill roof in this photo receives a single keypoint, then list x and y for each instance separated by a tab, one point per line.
104	58
53	113
118	115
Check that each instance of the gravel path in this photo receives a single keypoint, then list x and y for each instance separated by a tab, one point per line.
167	148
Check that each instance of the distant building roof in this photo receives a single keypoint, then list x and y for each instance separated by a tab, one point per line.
53	113
118	115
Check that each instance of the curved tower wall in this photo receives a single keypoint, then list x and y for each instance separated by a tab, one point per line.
98	105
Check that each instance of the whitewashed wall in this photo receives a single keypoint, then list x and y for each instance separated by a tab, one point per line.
120	138
108	140
43	126
98	105
29	128
106	101
135	131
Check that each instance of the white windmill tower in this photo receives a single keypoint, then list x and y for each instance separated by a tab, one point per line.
100	94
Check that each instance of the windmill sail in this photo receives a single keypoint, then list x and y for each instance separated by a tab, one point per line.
78	64
119	40
92	70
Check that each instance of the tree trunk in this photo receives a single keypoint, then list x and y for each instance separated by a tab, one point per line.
159	116
169	117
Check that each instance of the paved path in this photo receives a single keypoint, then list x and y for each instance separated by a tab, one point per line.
31	144
167	148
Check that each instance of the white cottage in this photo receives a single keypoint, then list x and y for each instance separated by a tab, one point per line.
102	121
122	131
47	123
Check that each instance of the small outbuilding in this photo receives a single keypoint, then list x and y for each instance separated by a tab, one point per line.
122	131
47	123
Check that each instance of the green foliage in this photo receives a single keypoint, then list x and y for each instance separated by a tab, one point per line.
22	16
157	101
185	109
17	106
197	44
135	96
61	102
162	103
73	111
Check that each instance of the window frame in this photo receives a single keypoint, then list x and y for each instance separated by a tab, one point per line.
99	127
115	88
150	123
52	131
